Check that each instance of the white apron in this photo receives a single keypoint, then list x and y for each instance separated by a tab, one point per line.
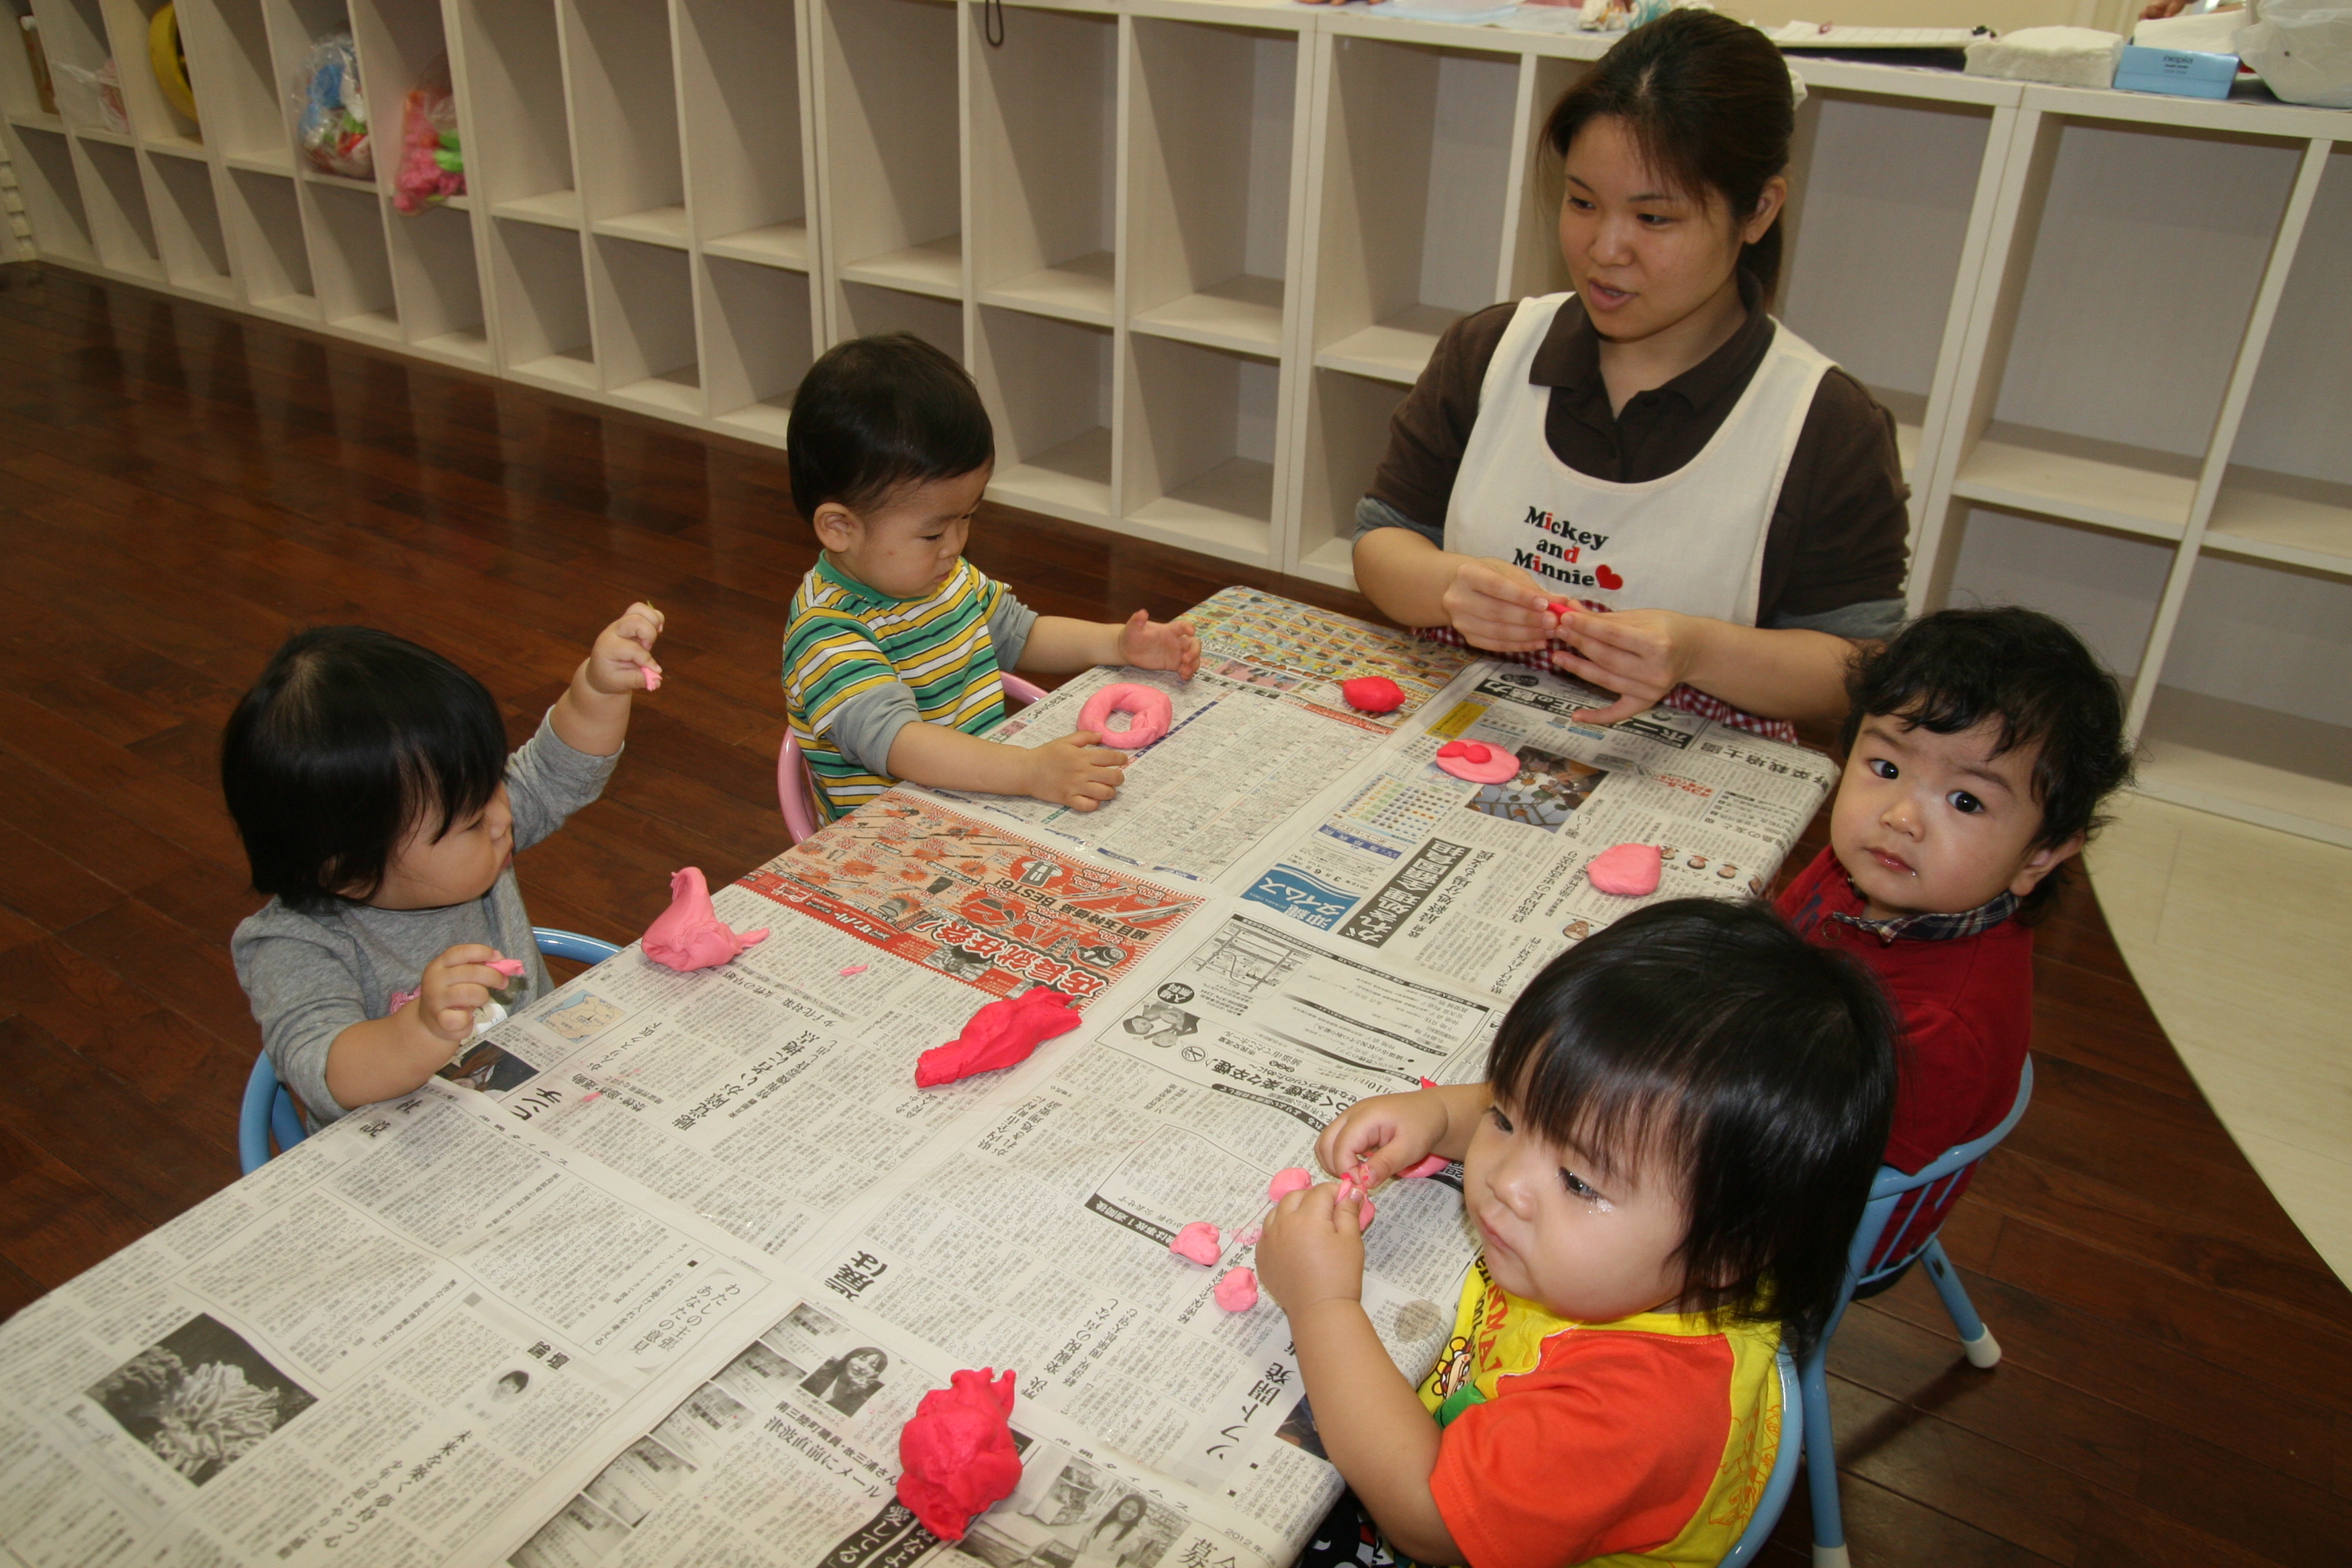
1692	541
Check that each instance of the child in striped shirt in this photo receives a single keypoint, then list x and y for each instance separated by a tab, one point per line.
892	653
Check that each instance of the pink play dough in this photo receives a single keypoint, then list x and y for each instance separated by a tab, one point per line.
1237	1291
1629	871
957	1455
853	969
1372	694
1428	1167
652	673
1197	1242
1250	1236
1148	710
689	934
1358	1183
1286	1183
1001	1034
1477	761
510	967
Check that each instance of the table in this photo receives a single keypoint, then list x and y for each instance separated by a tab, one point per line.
665	1291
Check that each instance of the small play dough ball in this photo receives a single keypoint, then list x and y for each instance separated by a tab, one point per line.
1373	694
1628	870
1197	1243
1286	1183
1237	1291
1149	715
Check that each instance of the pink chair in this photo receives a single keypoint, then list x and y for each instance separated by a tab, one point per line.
792	777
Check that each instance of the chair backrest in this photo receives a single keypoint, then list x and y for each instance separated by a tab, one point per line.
268	1113
791	776
1783	1478
1931	1181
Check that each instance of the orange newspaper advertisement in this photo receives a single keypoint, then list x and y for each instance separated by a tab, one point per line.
970	900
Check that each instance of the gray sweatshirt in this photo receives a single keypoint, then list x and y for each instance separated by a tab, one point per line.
309	977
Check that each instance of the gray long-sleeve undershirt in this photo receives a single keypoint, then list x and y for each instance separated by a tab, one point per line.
864	726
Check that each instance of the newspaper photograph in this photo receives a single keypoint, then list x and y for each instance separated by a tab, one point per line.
1484	883
385	1346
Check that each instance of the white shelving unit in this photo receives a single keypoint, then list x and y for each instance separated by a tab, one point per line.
1195	252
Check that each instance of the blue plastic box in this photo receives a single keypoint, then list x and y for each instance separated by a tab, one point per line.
2181	72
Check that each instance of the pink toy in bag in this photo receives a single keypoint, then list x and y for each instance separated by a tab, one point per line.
432	162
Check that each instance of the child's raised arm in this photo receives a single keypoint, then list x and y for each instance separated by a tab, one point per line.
1058	644
593	715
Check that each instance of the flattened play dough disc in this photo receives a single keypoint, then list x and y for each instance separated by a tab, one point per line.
1628	870
1477	761
1148	710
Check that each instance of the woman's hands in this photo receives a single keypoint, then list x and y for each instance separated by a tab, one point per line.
1496	606
1148	644
1641	655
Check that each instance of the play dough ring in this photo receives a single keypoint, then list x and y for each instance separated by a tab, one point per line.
1149	714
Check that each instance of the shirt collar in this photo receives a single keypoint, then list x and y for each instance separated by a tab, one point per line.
1570	355
833	573
1933	926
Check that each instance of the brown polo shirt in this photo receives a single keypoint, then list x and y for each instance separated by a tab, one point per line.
1838	532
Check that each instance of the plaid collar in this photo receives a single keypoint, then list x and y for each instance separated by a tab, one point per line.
1932	926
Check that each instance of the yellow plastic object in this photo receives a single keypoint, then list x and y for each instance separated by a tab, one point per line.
171	61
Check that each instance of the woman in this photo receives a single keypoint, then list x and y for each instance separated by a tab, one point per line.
1653	444
1108	1543
847	1382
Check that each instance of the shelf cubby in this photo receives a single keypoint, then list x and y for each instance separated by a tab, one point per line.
1346	431
1532	239
1878	229
760	335
73	32
438	285
887	100
540	283
865	309
747	159
349	258
2252	711
2104	584
115	197
624	97
2061	422
518	149
264	233
1416	176
1212	188
1047	386
1197	447
188	227
52	194
641	298
228	54
1045	136
154	119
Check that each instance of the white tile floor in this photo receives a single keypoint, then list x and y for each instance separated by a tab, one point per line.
2241	939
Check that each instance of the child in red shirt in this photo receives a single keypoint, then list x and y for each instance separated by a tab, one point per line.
1667	1161
1980	745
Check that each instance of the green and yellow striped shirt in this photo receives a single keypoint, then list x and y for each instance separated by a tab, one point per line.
845	641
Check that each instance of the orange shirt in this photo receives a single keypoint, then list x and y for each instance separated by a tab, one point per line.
1646	1441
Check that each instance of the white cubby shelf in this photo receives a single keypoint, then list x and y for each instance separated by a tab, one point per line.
1194	253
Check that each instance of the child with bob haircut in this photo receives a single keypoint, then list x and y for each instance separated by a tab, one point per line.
895	641
370	780
1980	745
1666	1163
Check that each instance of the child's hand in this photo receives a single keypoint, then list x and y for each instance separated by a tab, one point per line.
624	653
1313	1250
1076	771
1148	644
1391	1133
452	986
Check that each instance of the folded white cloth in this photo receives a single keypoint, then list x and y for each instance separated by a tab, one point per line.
2072	56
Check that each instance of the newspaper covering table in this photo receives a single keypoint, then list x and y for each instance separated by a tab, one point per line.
663	1289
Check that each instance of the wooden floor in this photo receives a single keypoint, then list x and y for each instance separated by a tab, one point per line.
179	486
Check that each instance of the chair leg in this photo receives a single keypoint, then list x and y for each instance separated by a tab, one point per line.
1976	1340
1821	1459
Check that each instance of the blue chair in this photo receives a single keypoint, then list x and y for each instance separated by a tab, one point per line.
1932	1181
1783	1478
269	1111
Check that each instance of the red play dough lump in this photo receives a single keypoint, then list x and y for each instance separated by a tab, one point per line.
957	1455
1629	871
689	934
1198	1243
1001	1034
1237	1291
1286	1183
1372	694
